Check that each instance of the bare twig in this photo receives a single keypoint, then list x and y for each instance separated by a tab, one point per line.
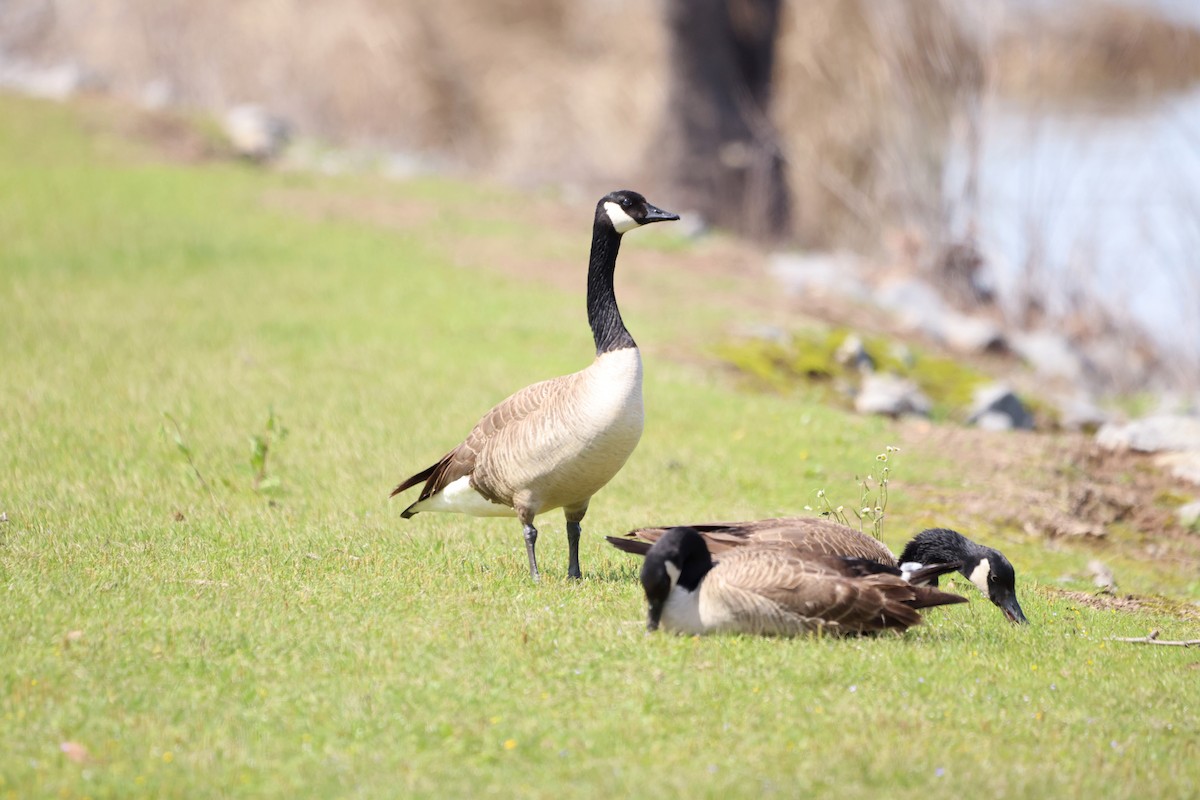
1152	638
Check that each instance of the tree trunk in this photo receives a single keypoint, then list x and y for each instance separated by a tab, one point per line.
723	155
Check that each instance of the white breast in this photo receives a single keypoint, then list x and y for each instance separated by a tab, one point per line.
565	452
681	612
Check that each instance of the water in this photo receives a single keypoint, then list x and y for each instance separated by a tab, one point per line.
1107	204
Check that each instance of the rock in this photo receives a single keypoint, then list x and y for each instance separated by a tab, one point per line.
157	94
891	395
853	354
1113	361
1050	355
1176	402
256	133
919	306
1185	466
55	82
966	334
1102	576
763	332
818	274
997	407
1188	515
915	303
1064	527
1165	432
1079	412
992	421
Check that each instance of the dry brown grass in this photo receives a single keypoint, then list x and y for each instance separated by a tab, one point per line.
1099	53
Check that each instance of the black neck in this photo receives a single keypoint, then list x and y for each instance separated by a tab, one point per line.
608	329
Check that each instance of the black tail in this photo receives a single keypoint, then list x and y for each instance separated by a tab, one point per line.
927	597
635	546
420	477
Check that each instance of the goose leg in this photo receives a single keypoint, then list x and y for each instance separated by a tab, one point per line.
530	544
573	531
574	517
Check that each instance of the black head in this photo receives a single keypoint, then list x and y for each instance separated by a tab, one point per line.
985	567
678	558
996	578
625	210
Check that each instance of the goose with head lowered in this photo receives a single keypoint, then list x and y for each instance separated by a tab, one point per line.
985	567
555	443
771	590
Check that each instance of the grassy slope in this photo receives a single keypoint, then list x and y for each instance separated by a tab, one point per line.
313	643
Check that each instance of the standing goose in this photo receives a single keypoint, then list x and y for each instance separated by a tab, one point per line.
774	590
985	567
556	443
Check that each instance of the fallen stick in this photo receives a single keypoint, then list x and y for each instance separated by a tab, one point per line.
1152	638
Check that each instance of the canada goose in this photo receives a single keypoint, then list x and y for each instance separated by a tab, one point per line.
556	443
776	590
985	567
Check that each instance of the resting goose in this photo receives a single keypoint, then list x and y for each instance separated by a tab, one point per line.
985	567
770	589
556	443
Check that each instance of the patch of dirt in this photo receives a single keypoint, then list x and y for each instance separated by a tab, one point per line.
1129	602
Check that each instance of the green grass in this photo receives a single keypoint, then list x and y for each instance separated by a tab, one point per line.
306	641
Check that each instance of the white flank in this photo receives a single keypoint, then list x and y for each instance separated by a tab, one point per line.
908	568
620	220
461	498
979	575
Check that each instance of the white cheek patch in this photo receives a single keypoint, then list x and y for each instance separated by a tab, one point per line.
673	571
979	575
620	220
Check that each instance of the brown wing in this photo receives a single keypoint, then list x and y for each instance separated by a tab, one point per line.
464	459
815	535
775	590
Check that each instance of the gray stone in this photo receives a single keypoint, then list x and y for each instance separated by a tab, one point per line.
1102	576
997	407
54	82
157	94
255	132
916	304
893	396
1050	355
763	332
1080	413
1185	466
1165	432
1188	515
853	353
818	274
967	334
993	421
